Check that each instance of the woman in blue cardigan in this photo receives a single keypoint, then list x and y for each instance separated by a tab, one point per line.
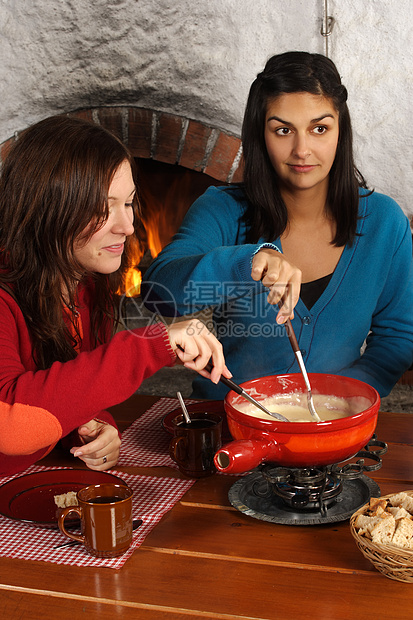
302	238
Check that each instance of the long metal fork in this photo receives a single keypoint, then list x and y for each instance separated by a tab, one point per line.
239	390
294	343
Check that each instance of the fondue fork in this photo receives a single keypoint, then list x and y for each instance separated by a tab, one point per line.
294	343
239	390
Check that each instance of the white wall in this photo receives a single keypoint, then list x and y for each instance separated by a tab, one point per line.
197	58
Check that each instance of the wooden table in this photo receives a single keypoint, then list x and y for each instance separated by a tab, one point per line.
207	560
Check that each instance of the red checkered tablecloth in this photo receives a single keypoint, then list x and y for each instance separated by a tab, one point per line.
146	443
152	498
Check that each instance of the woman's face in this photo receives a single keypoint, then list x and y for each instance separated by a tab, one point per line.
102	253
301	135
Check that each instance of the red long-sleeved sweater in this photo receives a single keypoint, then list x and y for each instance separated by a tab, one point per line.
39	407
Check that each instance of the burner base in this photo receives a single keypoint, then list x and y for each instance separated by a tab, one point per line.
253	496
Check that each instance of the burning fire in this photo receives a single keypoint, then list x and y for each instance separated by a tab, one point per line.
161	217
133	277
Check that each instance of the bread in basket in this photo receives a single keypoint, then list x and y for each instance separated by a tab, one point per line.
383	531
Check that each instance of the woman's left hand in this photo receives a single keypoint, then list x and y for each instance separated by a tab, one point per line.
101	445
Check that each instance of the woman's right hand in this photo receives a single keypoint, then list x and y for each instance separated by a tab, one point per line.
195	345
281	277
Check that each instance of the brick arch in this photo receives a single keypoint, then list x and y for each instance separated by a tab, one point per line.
168	138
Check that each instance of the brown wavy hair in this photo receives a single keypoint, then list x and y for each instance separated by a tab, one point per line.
54	184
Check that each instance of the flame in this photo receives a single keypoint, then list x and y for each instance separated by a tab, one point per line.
161	217
133	277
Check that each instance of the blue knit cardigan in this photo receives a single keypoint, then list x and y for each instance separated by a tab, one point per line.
361	326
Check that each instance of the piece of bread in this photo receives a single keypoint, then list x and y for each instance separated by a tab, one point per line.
403	534
399	512
366	523
407	504
383	531
377	505
66	499
398	499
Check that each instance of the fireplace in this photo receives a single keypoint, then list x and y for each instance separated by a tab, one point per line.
167	138
166	191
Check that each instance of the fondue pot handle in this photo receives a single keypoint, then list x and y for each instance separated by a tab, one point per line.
242	455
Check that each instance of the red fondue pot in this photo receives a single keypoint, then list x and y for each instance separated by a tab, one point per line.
296	444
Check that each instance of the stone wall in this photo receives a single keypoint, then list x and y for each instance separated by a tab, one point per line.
196	60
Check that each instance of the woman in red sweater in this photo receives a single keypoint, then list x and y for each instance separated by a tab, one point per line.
68	209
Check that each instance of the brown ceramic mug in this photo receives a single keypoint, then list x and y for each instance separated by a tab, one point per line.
194	444
105	512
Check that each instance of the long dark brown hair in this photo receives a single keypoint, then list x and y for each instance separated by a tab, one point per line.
294	72
54	185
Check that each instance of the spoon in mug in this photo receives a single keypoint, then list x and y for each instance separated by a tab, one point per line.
183	407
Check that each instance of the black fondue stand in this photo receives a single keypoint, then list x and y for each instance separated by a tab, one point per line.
309	495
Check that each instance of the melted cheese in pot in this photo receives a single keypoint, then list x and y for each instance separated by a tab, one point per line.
294	407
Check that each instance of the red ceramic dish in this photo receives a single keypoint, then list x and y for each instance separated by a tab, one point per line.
31	497
296	444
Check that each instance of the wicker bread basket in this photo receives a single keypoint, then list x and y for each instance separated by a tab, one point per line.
394	562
